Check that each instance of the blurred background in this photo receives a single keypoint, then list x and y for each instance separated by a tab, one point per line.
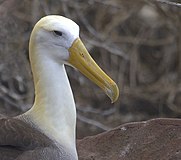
137	43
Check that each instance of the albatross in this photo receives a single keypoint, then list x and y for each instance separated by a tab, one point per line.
47	130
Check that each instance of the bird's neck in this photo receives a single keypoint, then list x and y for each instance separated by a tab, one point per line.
54	109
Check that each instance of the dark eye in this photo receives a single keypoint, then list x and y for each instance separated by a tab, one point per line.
58	33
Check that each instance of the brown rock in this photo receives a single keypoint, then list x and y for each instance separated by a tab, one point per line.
157	139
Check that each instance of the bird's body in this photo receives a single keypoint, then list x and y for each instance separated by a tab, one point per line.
47	130
31	144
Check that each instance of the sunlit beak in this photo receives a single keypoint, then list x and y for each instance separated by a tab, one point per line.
81	59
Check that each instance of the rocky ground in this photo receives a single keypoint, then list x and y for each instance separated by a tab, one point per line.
157	139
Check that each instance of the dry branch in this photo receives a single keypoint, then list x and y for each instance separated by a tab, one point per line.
169	3
93	122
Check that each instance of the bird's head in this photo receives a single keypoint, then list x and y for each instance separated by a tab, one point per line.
59	37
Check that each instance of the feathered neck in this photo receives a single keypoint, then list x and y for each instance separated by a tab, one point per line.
54	109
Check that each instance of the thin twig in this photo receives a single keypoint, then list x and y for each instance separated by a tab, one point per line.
90	109
109	47
93	122
169	3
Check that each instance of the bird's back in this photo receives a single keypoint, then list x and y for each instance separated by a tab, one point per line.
20	140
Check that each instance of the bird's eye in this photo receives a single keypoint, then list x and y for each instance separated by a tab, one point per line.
58	33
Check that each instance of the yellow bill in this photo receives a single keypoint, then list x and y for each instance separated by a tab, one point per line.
81	59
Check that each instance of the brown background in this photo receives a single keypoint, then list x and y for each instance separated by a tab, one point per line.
138	43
